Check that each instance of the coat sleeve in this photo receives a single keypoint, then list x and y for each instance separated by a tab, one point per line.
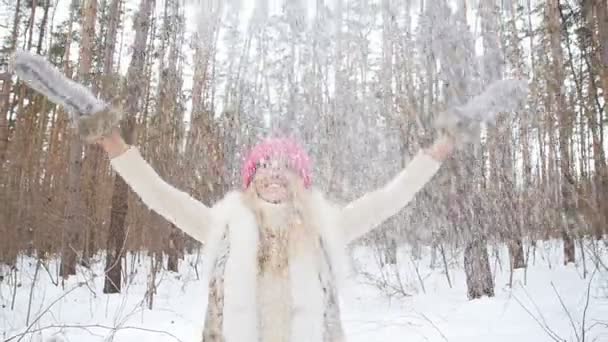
365	213
178	207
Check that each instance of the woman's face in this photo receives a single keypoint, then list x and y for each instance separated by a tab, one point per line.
273	181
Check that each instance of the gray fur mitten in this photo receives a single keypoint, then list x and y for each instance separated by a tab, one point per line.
463	122
91	116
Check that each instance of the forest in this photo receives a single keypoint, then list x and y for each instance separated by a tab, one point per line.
359	83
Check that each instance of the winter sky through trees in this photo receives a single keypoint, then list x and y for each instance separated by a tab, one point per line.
200	14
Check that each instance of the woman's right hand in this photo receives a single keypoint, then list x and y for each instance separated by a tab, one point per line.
113	143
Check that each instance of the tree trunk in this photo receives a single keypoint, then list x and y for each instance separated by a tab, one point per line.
110	43
569	248
45	17
4	108
72	224
564	120
388	247
459	73
477	269
92	153
73	208
516	253
204	136
30	28
602	20
88	40
6	88
116	237
175	250
601	167
170	115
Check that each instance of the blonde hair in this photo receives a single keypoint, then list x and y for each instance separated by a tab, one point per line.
299	233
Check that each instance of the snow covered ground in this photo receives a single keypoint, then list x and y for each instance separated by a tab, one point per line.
527	312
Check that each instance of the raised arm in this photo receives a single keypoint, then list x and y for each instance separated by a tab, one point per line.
179	208
95	121
462	125
367	212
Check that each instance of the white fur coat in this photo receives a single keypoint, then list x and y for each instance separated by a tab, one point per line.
246	304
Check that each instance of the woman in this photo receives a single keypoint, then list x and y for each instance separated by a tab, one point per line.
275	249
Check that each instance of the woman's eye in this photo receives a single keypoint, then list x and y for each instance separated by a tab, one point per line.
273	164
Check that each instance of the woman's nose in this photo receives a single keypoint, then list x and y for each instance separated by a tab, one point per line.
275	172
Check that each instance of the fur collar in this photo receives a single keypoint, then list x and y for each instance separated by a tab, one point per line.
237	226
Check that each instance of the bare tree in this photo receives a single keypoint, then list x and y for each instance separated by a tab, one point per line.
134	91
74	207
564	116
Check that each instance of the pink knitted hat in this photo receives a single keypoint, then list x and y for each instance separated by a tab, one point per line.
298	159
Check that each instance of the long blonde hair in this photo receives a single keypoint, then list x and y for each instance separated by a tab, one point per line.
299	233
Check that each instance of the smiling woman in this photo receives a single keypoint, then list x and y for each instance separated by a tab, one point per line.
272	182
276	166
275	249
